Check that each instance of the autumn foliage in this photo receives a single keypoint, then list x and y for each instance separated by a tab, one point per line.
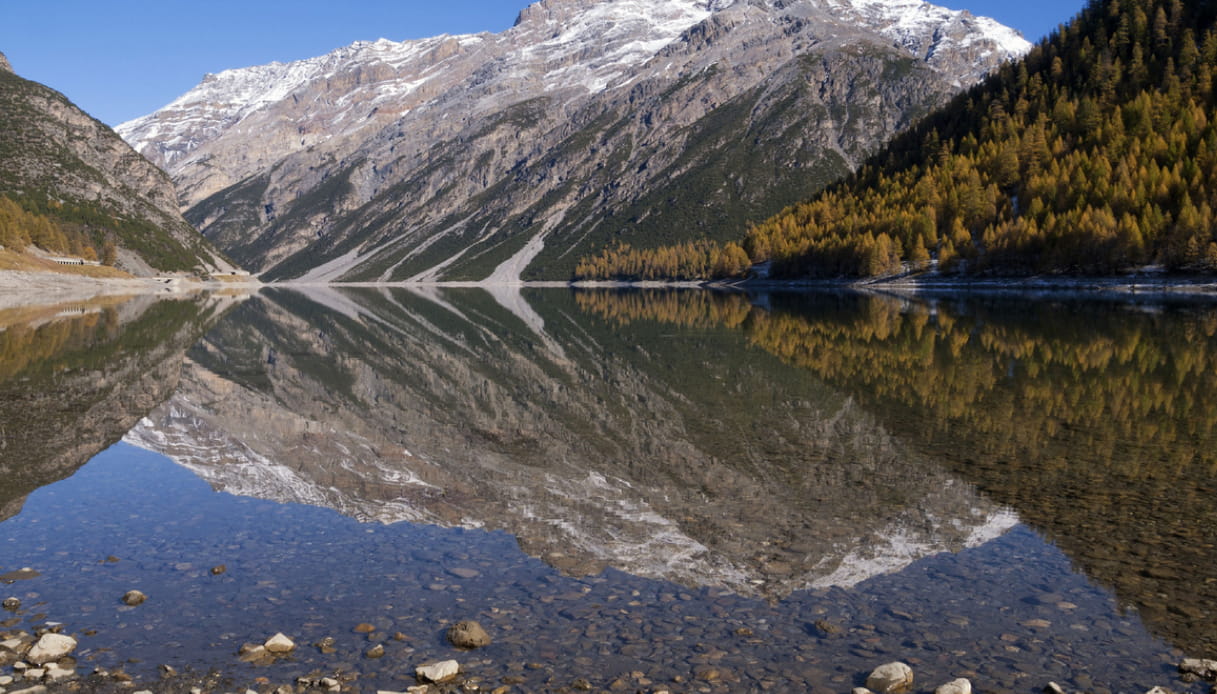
1095	154
694	260
20	229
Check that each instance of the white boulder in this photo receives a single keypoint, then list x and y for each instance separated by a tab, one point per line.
891	678
438	672
959	686
279	644
51	647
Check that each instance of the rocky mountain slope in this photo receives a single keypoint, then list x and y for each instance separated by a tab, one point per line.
58	161
509	155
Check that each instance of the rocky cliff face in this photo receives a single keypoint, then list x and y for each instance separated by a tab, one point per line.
55	155
508	155
593	450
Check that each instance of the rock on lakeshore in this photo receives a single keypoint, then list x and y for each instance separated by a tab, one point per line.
134	597
438	672
279	644
468	634
51	647
1205	669
959	686
891	678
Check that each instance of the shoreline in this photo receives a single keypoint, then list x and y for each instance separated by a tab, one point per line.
1127	286
21	288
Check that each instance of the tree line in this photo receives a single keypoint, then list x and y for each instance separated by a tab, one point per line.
1095	154
20	229
692	260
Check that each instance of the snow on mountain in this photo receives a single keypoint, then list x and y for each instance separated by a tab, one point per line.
558	43
906	20
425	159
383	71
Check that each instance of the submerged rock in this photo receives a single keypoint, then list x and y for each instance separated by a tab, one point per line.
134	597
327	645
51	647
12	604
959	686
377	651
55	673
279	644
891	678
441	671
468	634
256	653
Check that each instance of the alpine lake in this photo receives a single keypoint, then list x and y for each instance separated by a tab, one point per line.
630	490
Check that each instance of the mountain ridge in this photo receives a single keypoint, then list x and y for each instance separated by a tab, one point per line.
1091	156
81	180
466	157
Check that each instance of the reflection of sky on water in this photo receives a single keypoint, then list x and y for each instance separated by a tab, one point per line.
312	572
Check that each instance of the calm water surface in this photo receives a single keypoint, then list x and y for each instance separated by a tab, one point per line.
681	490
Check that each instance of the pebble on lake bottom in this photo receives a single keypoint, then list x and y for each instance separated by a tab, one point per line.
468	635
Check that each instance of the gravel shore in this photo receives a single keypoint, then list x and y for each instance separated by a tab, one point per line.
19	288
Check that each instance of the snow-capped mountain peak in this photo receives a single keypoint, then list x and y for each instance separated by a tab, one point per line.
455	116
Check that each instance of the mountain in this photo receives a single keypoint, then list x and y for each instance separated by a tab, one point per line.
510	155
1096	154
76	180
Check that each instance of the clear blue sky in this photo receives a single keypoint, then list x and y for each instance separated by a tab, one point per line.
119	59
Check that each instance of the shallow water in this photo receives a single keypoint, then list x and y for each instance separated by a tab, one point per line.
645	490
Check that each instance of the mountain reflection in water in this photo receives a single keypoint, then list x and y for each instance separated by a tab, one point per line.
75	377
1095	421
731	492
677	457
